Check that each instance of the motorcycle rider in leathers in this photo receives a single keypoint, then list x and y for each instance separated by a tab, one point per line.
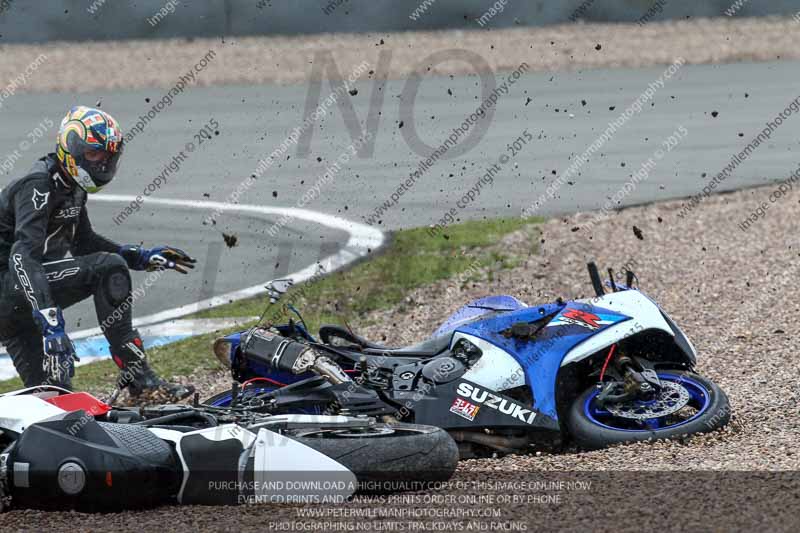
43	218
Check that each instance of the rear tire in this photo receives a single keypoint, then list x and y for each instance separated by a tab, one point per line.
410	454
588	433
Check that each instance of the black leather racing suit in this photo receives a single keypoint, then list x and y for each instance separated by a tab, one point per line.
41	221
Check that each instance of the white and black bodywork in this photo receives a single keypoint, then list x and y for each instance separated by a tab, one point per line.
66	450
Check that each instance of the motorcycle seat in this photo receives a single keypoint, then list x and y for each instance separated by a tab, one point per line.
427	348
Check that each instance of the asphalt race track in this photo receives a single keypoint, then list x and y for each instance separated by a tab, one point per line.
564	112
221	269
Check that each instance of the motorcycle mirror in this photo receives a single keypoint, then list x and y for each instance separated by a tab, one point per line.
277	288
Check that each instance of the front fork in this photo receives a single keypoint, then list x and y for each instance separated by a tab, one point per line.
634	378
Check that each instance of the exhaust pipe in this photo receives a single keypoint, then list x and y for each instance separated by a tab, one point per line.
288	355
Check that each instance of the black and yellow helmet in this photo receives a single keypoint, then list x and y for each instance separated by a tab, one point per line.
89	147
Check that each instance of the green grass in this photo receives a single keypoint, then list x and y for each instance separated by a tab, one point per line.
412	259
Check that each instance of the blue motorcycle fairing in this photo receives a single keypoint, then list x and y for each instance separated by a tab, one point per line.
477	308
486	318
541	359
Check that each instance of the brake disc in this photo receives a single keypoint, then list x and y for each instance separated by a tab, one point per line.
671	398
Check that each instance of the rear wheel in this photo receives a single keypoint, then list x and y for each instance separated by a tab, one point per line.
686	404
410	454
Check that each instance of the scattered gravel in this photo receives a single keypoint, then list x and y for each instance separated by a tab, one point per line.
282	59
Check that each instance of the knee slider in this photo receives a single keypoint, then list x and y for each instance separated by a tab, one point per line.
117	285
115	279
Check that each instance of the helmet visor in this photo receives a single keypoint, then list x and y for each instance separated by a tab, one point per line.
100	165
96	156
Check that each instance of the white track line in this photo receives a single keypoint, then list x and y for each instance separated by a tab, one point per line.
362	240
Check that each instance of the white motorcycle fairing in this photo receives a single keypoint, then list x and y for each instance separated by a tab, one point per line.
496	369
644	313
19	412
223	465
229	464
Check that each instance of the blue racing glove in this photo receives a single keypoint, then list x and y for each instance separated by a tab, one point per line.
158	258
59	353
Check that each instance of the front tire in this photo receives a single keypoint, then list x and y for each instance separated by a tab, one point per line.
594	427
411	454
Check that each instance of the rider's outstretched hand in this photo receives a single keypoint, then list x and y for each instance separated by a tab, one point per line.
158	258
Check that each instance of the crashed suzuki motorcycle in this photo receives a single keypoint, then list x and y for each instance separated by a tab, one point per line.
498	375
64	450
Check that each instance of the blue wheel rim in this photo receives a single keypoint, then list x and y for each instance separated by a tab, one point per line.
699	399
